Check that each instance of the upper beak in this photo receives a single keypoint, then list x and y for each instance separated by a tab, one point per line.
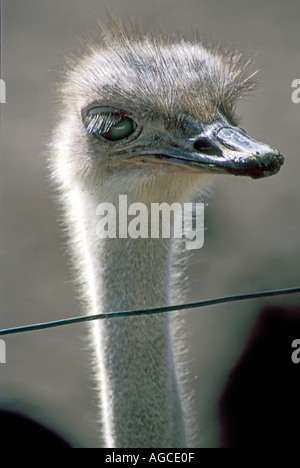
224	148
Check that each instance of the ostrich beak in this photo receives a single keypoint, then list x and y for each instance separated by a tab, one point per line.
231	149
220	148
228	149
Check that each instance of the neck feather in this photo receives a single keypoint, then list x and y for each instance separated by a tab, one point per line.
134	361
138	383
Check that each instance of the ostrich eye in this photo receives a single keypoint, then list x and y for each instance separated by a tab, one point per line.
110	126
121	130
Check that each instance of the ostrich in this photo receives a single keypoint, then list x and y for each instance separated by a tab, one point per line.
152	118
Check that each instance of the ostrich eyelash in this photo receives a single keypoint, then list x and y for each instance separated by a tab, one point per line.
101	123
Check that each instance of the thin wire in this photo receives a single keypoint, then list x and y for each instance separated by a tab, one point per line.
159	310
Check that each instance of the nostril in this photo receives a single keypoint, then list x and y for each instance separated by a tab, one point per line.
203	145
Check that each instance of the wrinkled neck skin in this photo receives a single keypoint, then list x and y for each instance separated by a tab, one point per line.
136	360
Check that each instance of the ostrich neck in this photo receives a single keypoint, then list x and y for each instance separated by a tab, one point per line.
138	390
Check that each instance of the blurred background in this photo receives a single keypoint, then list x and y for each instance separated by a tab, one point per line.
252	236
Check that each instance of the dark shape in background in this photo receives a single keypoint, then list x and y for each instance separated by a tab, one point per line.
20	432
261	404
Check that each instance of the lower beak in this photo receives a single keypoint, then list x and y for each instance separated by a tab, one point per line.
224	149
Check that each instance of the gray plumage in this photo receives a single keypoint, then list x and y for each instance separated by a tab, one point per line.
179	98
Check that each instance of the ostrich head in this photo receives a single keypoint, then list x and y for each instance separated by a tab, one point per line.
138	109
